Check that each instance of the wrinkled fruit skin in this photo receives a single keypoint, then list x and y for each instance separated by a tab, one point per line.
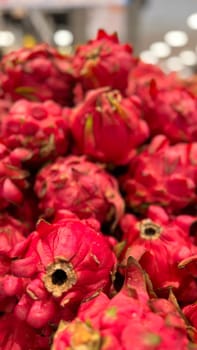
172	113
85	188
159	243
17	335
63	263
162	174
13	179
128	318
38	74
11	232
143	77
108	127
103	62
38	127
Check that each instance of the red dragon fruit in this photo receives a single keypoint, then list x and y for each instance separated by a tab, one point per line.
124	322
162	174
78	185
159	244
37	74
142	75
172	112
17	335
107	127
103	62
39	127
12	177
27	212
64	263
190	311
11	232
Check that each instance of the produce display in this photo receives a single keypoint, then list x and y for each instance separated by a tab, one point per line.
98	200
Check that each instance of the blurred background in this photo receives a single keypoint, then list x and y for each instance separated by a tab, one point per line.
161	32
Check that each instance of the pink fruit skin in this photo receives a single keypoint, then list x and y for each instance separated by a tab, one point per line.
85	188
17	335
103	62
108	127
38	127
159	250
12	178
144	76
129	320
37	74
162	174
172	112
11	232
70	247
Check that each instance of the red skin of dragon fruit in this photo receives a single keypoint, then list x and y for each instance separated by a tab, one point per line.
39	127
18	335
159	243
103	62
85	188
124	322
67	262
190	312
11	232
108	127
27	212
37	74
143	75
162	174
172	112
13	181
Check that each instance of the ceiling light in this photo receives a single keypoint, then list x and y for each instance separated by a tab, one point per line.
63	37
174	64
192	21
7	38
176	38
160	49
148	57
188	58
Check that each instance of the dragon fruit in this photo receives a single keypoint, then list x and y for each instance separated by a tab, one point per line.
103	62
11	232
38	127
190	311
64	263
13	181
37	74
159	244
17	335
78	185
107	127
124	322
162	174
27	212
172	112
142	76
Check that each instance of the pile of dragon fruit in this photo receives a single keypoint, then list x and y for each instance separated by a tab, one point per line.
98	199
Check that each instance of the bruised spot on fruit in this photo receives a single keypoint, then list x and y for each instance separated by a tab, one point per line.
59	277
149	230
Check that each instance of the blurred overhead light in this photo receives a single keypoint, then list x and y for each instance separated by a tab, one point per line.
7	38
63	37
148	57
176	38
192	21
174	64
160	49
188	58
